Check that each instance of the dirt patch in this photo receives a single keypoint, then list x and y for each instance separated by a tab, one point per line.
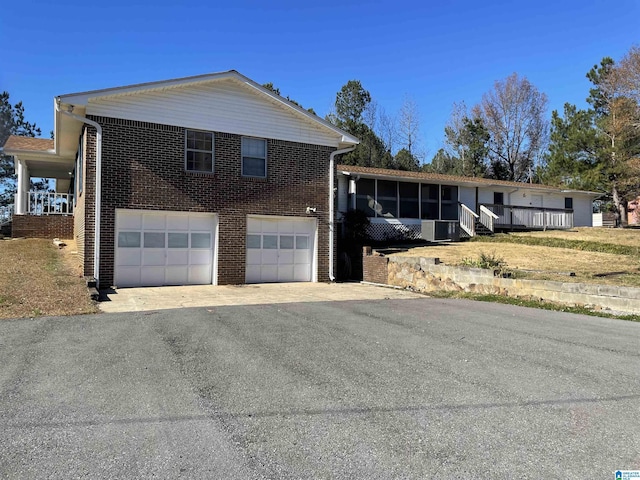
589	267
37	278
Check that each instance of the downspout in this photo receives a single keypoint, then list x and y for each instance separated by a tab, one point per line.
96	246
331	208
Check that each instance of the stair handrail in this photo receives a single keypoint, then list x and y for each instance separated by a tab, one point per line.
487	217
468	220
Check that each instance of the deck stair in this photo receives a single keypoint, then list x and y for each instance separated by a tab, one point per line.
481	228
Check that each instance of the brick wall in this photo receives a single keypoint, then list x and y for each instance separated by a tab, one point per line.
45	226
374	267
143	168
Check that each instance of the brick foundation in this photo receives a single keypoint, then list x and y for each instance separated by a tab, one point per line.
44	226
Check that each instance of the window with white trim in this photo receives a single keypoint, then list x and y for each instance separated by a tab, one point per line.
199	151
254	157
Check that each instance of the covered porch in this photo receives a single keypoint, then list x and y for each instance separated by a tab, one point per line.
414	205
35	160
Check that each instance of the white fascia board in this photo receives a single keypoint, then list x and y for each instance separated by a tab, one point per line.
83	98
32	154
584	192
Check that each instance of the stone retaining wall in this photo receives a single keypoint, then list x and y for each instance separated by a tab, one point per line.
427	275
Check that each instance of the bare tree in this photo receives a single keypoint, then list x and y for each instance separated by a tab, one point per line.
514	114
628	74
387	130
409	124
370	115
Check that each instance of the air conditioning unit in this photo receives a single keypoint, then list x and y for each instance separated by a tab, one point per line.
440	230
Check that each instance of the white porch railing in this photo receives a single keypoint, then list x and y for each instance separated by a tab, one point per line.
531	217
50	203
468	220
6	213
487	218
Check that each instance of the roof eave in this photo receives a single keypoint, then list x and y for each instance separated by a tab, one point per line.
467	183
83	98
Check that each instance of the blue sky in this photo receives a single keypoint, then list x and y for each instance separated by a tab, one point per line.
436	52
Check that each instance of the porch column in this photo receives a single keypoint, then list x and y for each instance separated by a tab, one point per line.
22	184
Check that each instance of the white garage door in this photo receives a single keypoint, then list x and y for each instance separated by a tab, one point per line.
164	248
280	249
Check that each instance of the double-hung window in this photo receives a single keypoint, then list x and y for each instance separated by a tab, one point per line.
254	157
199	151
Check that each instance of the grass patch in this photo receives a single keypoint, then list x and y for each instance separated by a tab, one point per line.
489	261
553	242
37	279
543	305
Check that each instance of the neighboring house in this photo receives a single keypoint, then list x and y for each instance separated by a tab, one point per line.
398	202
202	180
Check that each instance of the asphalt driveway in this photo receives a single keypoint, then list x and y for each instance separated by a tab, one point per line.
397	388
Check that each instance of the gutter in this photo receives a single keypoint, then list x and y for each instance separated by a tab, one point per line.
331	206
96	246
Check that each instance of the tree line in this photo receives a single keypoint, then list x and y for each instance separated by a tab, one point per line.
506	136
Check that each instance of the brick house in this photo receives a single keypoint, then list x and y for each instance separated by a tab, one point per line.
210	179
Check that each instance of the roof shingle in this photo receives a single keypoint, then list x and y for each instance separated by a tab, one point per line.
15	142
439	177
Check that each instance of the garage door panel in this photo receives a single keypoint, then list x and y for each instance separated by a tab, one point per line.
132	221
285	273
269	257
282	247
154	221
254	257
177	275
253	273
178	257
301	273
198	222
269	226
285	226
128	276
304	228
285	257
156	248
301	256
153	257
269	273
129	257
152	276
177	222
200	257
199	274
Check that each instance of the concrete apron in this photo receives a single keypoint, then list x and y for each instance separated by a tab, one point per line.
161	298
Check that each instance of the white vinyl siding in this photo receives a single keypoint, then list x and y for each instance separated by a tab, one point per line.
221	106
